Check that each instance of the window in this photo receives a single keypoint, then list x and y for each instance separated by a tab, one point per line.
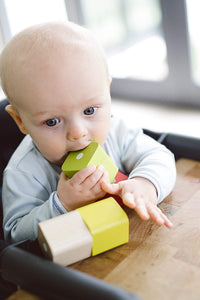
127	29
193	8
15	15
153	46
147	44
22	13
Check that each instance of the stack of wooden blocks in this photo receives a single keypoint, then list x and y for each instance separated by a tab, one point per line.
88	230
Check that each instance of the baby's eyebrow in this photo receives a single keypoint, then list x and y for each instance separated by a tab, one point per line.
41	113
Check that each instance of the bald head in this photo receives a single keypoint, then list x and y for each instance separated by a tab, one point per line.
30	52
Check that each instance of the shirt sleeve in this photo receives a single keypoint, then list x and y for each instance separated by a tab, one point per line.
142	156
153	162
26	202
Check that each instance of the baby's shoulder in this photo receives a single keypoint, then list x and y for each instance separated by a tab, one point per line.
26	156
121	130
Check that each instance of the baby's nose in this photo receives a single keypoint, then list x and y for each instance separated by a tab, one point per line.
76	131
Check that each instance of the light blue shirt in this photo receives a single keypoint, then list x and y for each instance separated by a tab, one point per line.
30	181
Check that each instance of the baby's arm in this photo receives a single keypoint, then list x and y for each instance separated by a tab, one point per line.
29	199
83	188
140	194
149	165
26	202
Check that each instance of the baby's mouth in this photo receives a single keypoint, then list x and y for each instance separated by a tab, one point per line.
79	147
73	150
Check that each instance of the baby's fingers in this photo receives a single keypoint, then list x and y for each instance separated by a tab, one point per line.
158	217
83	174
109	188
167	222
137	204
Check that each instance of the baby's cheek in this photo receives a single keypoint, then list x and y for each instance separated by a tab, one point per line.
53	152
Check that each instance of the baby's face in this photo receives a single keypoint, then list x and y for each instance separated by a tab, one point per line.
65	106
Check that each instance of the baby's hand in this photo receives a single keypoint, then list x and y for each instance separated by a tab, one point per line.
140	194
83	188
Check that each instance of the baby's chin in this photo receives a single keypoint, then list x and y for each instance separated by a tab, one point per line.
61	161
58	162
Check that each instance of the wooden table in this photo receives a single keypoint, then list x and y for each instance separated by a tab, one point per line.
157	263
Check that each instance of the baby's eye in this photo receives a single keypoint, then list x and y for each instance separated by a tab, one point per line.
52	122
90	110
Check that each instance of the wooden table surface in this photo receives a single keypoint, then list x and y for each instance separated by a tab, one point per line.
157	263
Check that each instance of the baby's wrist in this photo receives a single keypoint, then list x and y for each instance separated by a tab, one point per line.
147	182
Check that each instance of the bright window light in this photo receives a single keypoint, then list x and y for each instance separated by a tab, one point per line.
23	13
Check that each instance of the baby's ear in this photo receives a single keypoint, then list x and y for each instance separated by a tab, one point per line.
16	117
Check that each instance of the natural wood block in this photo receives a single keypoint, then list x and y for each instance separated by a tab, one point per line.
65	239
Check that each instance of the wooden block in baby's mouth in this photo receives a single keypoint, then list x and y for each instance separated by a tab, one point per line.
91	155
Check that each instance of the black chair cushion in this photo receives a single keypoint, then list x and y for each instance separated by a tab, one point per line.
10	137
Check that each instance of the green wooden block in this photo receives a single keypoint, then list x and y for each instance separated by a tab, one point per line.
91	155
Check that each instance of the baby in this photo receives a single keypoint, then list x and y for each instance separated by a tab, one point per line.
56	79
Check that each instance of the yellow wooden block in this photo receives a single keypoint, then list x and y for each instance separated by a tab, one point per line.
108	224
65	239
